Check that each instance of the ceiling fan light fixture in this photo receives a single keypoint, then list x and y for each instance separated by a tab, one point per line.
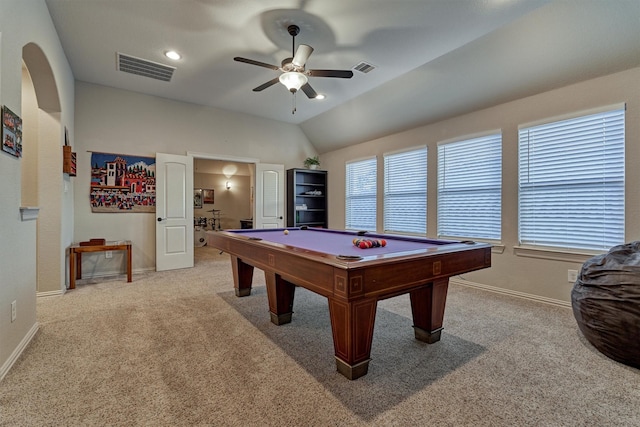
293	80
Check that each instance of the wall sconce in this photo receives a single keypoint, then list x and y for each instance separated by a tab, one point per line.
228	185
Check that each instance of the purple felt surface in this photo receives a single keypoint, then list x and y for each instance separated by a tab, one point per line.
338	242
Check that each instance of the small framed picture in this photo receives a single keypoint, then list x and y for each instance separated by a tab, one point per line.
11	132
207	196
197	198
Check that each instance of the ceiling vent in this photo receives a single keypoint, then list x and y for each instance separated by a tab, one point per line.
143	67
363	67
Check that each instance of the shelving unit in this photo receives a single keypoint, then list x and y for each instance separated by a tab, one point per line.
68	160
306	198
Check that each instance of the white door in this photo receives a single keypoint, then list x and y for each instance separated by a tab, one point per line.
269	203
174	212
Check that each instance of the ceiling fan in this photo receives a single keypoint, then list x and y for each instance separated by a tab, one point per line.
294	76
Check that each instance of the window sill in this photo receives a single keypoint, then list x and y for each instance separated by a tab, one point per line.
496	246
554	253
497	249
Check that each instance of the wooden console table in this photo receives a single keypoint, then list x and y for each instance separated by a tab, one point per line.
75	257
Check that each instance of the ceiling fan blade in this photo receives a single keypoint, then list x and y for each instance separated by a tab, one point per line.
343	74
258	63
302	54
308	90
266	85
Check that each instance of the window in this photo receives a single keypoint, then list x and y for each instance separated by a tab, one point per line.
361	195
405	191
470	188
571	176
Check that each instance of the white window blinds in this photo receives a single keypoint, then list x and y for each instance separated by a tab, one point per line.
405	191
571	182
361	195
470	188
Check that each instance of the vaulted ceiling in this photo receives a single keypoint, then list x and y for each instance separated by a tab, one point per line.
432	59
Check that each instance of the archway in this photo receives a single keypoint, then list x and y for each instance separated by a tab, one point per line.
42	181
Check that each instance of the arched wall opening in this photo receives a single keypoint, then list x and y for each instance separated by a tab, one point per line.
42	180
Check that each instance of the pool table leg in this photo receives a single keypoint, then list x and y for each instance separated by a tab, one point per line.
427	306
352	327
242	276
280	294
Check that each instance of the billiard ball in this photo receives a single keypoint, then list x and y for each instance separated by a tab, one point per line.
286	231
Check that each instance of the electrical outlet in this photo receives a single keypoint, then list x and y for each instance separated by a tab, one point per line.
13	312
108	254
572	275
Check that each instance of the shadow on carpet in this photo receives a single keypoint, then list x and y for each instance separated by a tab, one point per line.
400	365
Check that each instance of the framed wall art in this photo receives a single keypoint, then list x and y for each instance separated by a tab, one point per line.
11	132
207	196
121	183
197	198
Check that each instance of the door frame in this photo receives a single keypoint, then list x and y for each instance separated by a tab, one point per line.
209	156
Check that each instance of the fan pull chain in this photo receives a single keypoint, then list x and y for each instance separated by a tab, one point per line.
293	108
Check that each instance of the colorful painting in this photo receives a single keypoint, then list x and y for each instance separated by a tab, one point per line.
11	132
122	183
207	196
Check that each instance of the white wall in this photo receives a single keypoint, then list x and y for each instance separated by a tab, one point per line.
117	121
23	22
547	276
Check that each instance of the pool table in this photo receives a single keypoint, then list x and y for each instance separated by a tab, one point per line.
353	280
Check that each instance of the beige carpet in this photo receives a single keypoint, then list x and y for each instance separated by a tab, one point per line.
178	348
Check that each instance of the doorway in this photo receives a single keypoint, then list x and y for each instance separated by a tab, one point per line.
42	136
268	188
174	175
223	194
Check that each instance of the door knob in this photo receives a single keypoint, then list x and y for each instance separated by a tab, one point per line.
161	219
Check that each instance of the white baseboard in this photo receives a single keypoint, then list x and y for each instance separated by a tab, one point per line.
18	351
117	273
49	294
95	276
517	294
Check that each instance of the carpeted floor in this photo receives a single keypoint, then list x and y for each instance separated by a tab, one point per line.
178	348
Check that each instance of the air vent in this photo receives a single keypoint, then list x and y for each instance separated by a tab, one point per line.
363	67
143	67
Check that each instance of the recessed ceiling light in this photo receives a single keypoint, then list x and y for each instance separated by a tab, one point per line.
172	54
320	96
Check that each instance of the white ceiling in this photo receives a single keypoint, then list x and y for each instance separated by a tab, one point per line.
434	58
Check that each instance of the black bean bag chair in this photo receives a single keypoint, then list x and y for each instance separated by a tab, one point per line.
606	303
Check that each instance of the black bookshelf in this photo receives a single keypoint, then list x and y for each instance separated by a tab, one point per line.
307	198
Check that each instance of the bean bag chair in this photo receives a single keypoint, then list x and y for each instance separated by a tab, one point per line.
606	303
